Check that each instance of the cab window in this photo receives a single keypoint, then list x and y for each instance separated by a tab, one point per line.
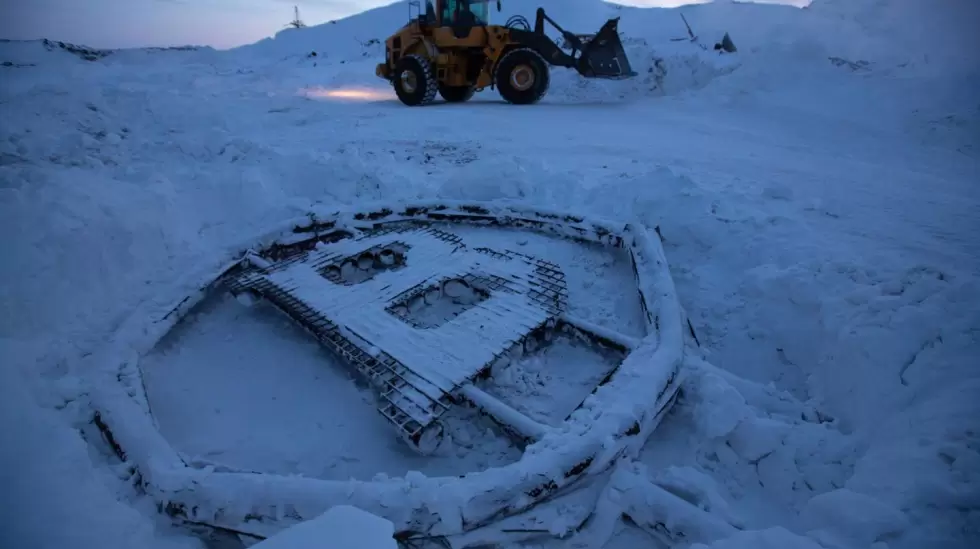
471	12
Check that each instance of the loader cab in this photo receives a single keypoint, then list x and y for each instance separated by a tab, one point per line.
460	13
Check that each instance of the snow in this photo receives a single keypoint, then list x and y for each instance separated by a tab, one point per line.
342	527
816	193
771	538
218	392
550	383
52	478
853	517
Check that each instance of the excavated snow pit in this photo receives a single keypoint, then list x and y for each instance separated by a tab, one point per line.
443	365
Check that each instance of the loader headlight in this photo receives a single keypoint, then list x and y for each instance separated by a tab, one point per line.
347	94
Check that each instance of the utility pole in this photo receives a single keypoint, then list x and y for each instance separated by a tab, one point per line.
296	23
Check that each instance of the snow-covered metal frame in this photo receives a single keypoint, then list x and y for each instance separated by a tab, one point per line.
359	298
613	422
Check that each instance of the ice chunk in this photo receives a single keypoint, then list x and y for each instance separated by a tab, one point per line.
756	438
720	406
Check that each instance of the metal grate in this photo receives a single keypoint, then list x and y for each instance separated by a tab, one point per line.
549	289
410	401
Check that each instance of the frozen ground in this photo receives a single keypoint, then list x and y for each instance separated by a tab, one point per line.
816	193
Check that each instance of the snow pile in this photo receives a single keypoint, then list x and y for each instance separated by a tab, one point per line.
29	53
61	499
344	38
852	519
750	433
662	69
341	527
928	37
852	353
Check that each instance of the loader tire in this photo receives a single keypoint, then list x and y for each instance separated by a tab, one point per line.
522	76
413	81
456	94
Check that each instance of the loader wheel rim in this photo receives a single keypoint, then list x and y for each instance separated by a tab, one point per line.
409	81
522	77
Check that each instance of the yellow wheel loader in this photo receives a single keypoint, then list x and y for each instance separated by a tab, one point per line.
451	48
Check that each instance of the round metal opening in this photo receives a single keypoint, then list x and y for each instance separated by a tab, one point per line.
409	81
522	77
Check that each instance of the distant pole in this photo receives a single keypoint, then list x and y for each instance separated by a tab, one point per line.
296	23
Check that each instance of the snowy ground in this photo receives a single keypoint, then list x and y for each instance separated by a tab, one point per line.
817	195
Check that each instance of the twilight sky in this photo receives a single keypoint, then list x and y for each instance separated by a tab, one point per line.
218	23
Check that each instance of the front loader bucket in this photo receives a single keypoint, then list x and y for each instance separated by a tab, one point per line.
604	55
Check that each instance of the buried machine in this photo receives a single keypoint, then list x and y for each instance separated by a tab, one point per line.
451	48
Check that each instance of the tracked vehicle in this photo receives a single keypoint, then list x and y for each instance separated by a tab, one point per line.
451	49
